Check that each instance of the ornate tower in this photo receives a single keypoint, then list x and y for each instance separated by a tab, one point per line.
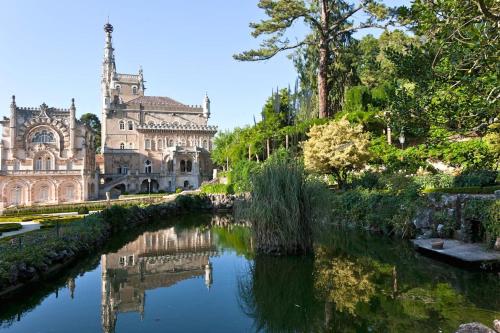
12	125
206	106
108	75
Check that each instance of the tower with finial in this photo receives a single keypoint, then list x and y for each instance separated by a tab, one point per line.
206	106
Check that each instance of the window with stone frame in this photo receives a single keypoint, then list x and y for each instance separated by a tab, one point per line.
130	125
134	90
147	144
189	166
148	166
160	144
43	136
183	166
122	125
122	145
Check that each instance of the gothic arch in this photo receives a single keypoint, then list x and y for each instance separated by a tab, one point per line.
21	195
26	129
43	191
69	191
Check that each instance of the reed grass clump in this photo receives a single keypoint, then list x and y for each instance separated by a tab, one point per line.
284	208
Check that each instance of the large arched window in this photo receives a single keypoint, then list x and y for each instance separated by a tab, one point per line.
171	142
122	125
43	136
183	166
130	125
122	145
205	144
153	145
189	166
160	144
170	165
43	193
148	167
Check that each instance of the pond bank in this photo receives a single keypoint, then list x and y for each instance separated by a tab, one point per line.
30	257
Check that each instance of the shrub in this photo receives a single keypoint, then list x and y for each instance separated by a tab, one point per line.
464	190
388	211
439	180
6	227
115	215
178	190
242	173
476	178
488	212
83	210
162	192
192	202
217	189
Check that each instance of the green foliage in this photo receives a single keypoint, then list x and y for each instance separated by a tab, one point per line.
83	210
242	173
473	178
336	148
192	202
486	211
217	188
464	190
390	210
115	216
6	227
93	122
284	208
178	190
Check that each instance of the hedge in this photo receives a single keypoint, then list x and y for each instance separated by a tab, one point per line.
6	227
464	190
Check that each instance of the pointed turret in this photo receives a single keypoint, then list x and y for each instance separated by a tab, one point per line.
12	124
206	106
72	126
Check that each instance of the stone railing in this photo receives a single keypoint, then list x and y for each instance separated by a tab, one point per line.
39	172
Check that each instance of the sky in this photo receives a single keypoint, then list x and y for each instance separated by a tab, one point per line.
52	51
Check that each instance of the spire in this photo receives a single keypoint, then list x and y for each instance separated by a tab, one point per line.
206	106
13	104
108	66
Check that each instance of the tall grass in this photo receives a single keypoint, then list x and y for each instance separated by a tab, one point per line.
284	208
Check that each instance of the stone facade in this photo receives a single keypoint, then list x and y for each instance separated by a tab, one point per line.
150	143
46	156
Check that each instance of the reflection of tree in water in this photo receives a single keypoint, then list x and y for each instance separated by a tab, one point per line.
343	282
278	294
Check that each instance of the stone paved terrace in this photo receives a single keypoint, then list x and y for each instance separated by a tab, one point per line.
473	255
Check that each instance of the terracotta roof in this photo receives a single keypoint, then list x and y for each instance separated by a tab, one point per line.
155	100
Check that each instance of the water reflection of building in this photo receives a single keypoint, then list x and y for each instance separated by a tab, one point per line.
154	260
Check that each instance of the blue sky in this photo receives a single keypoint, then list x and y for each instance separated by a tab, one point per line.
52	51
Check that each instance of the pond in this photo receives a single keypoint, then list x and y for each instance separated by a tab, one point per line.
195	275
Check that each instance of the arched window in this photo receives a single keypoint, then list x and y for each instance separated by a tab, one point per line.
160	144
183	166
153	145
43	137
48	164
148	168
16	195
170	142
147	144
43	194
122	145
189	166
38	163
134	90
170	165
69	193
205	144
122	125
118	88
130	125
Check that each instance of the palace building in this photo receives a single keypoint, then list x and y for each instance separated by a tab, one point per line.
149	143
46	156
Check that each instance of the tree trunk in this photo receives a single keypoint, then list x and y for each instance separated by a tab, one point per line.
268	148
286	142
323	62
249	153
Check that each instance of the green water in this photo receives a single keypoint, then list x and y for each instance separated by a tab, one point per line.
198	277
